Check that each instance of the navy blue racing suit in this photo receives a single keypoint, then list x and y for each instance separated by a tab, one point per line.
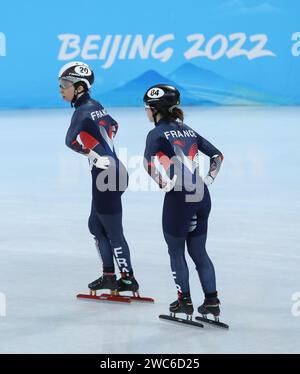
92	128
187	206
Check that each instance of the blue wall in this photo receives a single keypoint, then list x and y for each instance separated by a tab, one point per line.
218	52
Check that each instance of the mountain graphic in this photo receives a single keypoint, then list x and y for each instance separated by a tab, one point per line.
207	85
131	93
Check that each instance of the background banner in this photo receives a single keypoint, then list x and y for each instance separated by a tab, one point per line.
218	52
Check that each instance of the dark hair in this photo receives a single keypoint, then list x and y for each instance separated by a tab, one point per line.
82	84
175	114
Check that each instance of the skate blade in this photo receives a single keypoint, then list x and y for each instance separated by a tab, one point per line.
105	297
181	320
141	298
133	298
212	322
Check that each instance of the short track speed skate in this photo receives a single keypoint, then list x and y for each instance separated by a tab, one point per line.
211	306
109	282
130	284
183	305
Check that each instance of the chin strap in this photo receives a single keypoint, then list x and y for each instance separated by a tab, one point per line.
74	98
76	93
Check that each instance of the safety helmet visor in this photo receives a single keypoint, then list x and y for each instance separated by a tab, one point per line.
65	83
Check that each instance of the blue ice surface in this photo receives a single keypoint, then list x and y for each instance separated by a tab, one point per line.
47	255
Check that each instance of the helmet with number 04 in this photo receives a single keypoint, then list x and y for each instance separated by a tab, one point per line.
162	96
76	72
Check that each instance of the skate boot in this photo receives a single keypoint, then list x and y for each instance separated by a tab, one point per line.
107	281
210	306
182	305
128	283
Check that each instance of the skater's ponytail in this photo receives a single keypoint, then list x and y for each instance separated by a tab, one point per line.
177	113
172	114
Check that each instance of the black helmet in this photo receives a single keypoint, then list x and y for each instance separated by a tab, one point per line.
162	96
76	72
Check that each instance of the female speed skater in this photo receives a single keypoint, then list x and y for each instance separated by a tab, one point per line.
187	201
91	134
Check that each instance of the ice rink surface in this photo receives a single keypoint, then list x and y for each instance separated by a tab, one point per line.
47	255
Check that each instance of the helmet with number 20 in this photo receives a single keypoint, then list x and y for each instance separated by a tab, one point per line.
76	72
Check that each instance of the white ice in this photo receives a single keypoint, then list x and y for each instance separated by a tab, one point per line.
47	255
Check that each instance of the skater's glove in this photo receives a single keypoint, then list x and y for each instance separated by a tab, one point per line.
100	162
169	184
208	180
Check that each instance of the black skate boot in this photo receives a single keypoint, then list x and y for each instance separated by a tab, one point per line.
210	306
182	305
127	283
107	281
